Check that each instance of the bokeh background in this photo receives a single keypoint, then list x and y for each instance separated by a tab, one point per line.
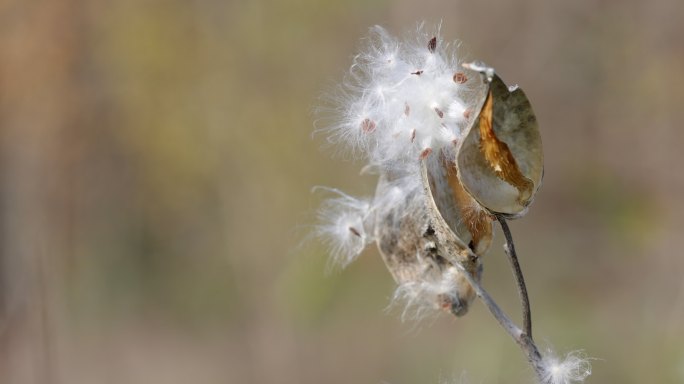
156	165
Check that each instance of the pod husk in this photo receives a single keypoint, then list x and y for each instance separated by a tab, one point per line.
500	160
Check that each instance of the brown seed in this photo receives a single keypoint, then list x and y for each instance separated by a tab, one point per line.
444	301
413	135
407	109
439	112
467	113
419	72
432	44
425	153
460	78
368	125
354	231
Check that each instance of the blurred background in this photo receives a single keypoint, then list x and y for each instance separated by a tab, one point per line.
156	165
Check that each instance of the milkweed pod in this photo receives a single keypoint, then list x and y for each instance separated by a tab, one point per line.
500	161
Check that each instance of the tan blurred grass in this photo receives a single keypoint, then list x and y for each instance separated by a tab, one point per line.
155	175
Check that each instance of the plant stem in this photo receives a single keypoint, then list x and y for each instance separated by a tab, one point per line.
525	342
522	337
519	279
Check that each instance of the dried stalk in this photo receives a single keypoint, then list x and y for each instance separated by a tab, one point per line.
519	279
525	342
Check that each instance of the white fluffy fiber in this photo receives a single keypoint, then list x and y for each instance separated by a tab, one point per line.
343	225
418	297
400	100
573	368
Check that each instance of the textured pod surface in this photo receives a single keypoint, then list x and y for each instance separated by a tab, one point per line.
419	247
500	161
463	214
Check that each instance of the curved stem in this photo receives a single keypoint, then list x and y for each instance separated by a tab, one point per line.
524	341
496	311
519	279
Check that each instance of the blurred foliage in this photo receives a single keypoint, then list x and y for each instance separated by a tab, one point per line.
156	165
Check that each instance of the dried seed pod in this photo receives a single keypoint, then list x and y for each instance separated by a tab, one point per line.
420	246
463	214
500	161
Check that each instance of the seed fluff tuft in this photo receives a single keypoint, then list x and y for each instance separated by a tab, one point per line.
573	368
344	223
402	99
423	298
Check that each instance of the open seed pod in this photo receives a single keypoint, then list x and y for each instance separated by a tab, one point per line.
422	235
500	161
